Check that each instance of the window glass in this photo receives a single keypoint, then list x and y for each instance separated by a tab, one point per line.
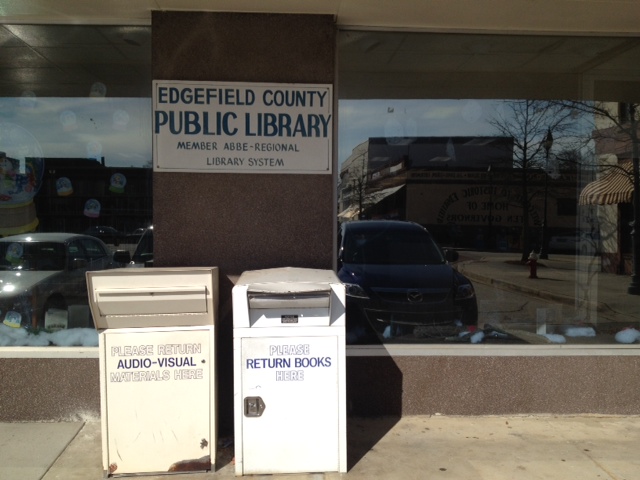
75	171
512	154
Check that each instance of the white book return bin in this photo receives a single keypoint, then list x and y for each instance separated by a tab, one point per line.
289	372
156	330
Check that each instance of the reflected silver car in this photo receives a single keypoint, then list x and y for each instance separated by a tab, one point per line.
42	275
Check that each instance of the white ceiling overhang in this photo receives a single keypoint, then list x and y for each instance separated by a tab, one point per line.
569	49
607	17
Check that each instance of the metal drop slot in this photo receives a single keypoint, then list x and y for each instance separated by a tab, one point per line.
316	299
152	300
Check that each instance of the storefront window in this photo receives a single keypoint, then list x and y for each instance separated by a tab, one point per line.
75	171
514	155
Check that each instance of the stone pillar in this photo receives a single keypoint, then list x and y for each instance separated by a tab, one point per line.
241	222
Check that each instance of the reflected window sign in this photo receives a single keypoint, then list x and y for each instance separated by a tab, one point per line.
64	186
75	177
496	181
21	170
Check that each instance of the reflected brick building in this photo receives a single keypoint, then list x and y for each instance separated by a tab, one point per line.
465	190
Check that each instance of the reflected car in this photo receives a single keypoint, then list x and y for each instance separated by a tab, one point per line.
42	275
133	236
397	278
142	255
578	241
104	233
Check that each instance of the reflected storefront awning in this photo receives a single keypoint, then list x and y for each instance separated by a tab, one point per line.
351	212
377	197
615	186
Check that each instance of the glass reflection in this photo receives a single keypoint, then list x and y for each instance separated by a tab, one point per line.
500	182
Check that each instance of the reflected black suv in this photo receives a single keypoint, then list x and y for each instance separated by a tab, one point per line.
398	280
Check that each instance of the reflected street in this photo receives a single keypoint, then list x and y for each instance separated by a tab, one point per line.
570	298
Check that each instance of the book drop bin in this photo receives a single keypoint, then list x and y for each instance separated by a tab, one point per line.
156	331
289	372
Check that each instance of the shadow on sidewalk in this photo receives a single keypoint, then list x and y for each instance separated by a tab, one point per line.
363	434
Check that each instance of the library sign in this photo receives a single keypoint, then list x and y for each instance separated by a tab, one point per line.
242	127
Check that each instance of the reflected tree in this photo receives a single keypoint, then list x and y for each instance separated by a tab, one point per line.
359	185
354	182
616	129
529	122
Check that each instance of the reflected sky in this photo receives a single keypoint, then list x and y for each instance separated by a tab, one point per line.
361	119
118	129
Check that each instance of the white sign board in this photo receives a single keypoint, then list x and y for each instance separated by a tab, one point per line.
242	127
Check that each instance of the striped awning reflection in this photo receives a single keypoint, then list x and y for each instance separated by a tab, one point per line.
350	213
615	186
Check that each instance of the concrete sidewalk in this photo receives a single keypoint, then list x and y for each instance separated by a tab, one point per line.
415	447
566	279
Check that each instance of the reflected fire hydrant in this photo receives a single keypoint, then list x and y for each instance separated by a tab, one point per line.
533	264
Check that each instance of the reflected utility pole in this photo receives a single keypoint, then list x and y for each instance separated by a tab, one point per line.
359	183
490	232
634	286
547	144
